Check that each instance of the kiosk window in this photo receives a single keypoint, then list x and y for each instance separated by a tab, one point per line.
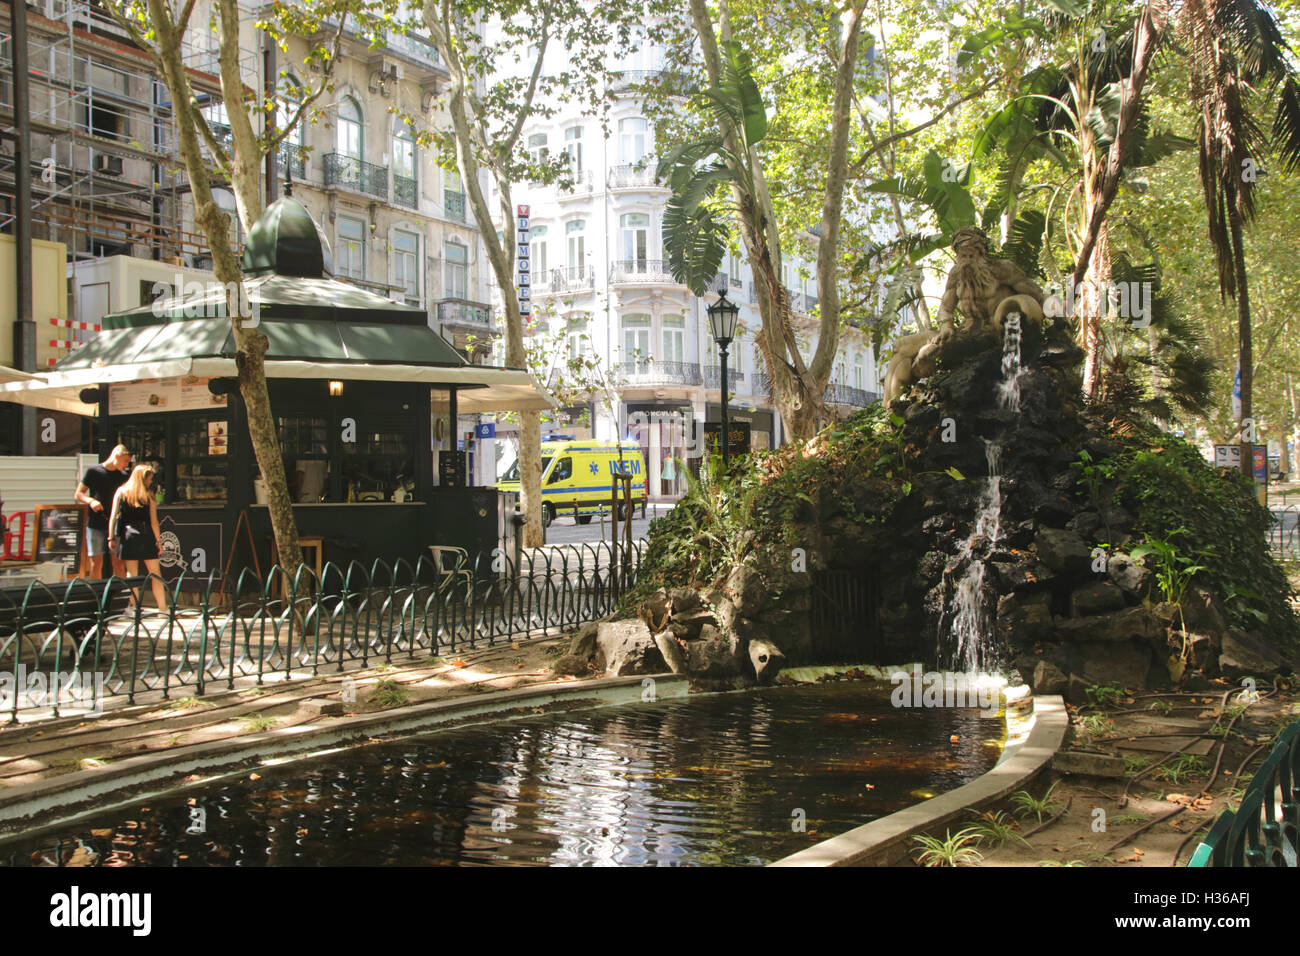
373	464
305	448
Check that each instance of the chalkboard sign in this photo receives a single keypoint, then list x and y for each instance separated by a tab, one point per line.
60	533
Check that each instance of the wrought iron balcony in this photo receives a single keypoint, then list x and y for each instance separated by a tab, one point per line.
417	48
760	383
405	191
341	170
641	272
634	176
634	81
713	377
652	372
582	186
454	203
571	279
290	162
847	395
464	312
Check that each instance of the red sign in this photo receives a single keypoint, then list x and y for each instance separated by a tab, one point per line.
521	210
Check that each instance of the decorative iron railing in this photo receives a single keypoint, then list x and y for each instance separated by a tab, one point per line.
464	312
405	191
651	372
341	170
634	176
1284	535
847	395
650	271
713	377
454	203
570	279
88	646
290	162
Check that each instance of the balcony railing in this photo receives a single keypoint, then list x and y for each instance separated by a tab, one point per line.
634	176
847	395
760	383
629	81
464	312
290	162
642	271
713	377
405	191
582	185
454	203
801	301
341	170
417	48
572	279
651	372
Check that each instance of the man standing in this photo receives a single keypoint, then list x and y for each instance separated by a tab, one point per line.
96	491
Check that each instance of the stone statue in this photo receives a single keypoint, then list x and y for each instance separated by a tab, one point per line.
986	288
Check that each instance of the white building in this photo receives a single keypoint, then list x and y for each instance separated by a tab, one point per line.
601	284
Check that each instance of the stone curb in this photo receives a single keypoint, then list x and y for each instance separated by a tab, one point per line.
62	798
887	841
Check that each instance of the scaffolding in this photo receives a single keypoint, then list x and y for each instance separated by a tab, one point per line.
110	180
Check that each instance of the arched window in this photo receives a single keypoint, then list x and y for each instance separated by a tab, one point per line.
348	136
636	342
406	183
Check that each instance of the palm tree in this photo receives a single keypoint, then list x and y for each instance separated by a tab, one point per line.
1236	51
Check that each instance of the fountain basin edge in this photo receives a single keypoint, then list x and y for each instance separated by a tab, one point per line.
887	841
27	809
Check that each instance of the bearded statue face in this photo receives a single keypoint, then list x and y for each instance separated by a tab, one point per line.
970	242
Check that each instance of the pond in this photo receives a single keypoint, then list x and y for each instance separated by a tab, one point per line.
736	779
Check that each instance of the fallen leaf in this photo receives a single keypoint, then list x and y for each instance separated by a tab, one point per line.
254	776
459	663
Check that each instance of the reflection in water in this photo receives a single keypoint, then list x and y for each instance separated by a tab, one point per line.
709	780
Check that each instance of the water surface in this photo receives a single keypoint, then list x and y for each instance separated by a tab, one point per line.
714	779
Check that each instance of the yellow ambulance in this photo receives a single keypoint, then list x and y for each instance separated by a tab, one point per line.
577	475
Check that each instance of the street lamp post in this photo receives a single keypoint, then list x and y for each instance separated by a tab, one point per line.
722	323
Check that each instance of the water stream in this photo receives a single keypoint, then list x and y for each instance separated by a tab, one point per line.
972	651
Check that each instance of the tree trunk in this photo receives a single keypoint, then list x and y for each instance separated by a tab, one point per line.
1095	307
1244	347
250	343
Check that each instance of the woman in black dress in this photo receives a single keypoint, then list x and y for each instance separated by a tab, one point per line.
134	526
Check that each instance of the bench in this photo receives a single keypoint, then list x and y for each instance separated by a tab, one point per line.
1265	829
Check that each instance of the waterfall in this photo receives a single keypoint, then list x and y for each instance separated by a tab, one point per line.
970	614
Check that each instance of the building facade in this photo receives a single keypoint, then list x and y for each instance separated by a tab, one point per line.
601	287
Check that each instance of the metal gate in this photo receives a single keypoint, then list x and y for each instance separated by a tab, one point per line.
845	618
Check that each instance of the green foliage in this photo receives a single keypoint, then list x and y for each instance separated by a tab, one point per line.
955	849
1180	768
995	827
861	467
1026	803
389	693
1105	695
1172	491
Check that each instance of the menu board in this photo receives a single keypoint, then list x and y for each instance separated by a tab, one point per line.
217	438
185	393
60	530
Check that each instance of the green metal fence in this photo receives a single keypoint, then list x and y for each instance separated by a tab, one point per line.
75	644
